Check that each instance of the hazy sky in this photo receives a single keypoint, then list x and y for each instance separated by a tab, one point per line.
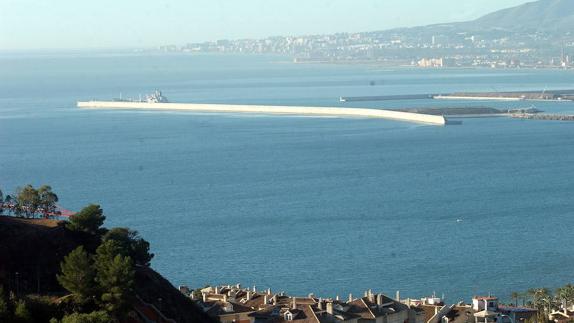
31	24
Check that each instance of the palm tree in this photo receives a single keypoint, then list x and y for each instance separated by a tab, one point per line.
515	297
565	295
523	296
543	301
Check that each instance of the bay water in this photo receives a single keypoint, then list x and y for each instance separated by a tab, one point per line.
329	206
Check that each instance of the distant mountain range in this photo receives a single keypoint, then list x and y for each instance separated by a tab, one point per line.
542	15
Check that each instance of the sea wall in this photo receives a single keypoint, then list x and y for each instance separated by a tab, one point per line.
262	109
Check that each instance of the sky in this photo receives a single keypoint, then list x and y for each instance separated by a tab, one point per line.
67	24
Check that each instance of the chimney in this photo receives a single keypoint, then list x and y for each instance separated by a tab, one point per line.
204	295
238	286
248	297
265	299
268	291
379	299
398	296
366	293
320	304
274	299
337	298
225	298
350	297
294	305
216	290
254	289
330	308
371	296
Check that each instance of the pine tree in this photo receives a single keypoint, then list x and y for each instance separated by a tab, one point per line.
89	219
115	276
131	244
78	276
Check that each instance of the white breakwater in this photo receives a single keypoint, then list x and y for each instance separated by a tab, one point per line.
476	98
262	109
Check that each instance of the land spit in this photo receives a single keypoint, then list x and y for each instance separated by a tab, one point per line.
438	120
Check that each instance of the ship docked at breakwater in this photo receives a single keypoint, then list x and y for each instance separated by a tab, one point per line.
157	101
155	97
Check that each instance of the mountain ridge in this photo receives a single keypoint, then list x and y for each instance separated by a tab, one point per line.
535	16
542	15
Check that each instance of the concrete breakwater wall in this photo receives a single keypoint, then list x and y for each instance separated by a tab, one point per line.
554	117
262	109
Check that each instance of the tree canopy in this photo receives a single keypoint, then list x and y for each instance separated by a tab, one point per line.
47	200
130	244
78	276
28	201
115	276
90	220
93	317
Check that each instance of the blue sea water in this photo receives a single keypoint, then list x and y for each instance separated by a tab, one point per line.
302	204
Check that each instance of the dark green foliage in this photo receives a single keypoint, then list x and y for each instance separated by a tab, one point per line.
89	219
21	313
47	199
93	317
28	201
131	244
78	276
115	276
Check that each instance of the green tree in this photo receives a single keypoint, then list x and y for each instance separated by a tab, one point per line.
89	219
115	276
131	244
21	313
78	276
93	317
542	301
48	200
566	295
28	201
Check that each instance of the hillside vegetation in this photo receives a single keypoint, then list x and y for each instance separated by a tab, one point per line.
79	271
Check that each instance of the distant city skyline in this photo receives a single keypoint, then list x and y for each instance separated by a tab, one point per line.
66	24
